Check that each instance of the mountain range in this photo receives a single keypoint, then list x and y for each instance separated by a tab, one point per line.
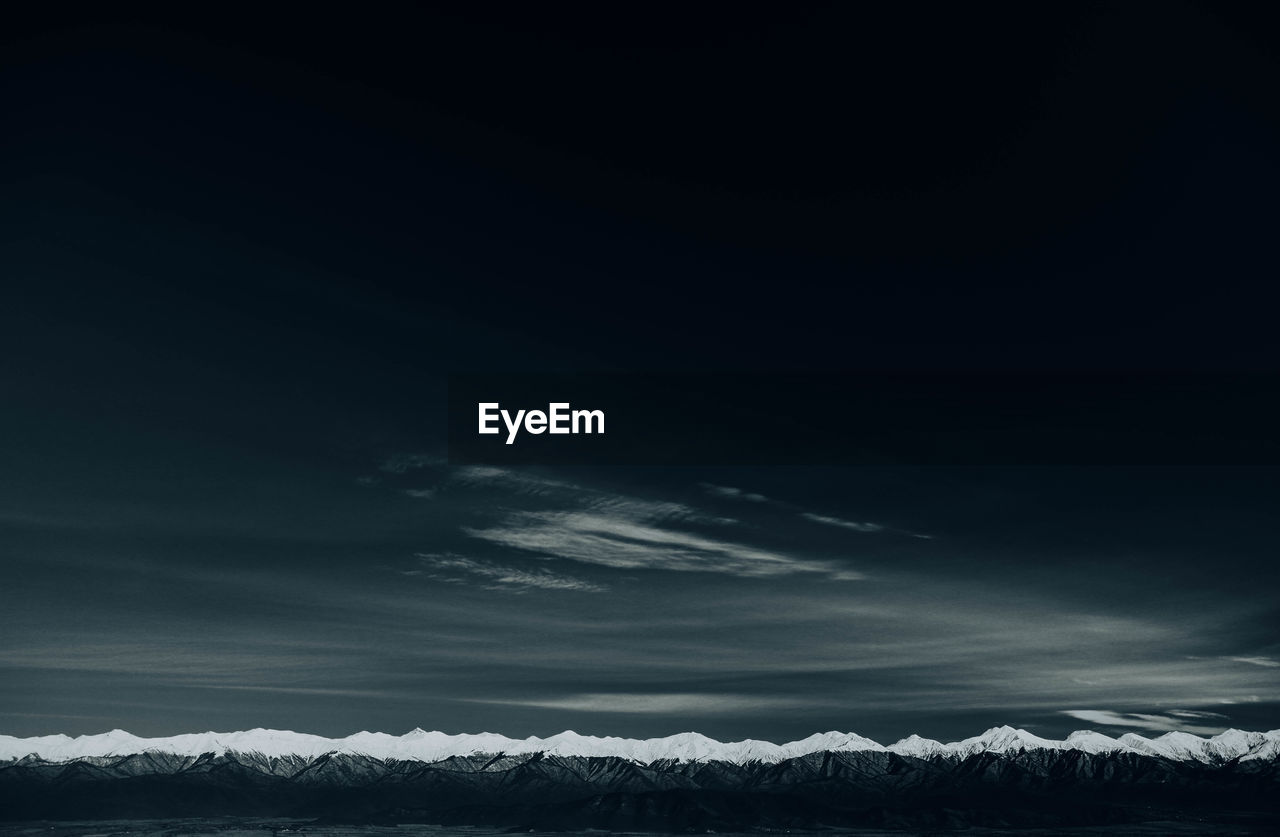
423	746
1003	777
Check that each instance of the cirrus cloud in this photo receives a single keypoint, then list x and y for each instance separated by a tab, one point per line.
1174	721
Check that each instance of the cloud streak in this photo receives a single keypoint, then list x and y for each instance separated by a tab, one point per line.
630	533
844	524
732	493
1265	662
457	569
691	703
620	538
1176	720
518	482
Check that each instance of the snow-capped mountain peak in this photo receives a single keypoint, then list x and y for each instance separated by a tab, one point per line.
1004	739
1088	741
434	746
914	745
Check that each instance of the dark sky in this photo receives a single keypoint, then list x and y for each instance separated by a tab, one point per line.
238	257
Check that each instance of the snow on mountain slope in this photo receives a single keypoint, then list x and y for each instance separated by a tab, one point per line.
828	742
1004	739
420	745
1089	741
921	748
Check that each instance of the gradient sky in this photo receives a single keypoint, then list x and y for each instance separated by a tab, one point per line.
238	263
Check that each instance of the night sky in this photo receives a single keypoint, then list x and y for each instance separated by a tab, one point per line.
240	256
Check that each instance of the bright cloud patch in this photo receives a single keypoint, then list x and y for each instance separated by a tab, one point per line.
617	537
1174	721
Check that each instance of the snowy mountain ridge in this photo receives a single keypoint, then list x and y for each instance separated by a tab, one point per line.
423	746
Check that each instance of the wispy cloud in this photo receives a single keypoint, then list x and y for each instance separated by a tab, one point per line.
733	493
844	524
618	537
293	690
634	508
662	704
400	464
1175	720
859	526
421	493
1265	662
458	569
521	482
626	532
